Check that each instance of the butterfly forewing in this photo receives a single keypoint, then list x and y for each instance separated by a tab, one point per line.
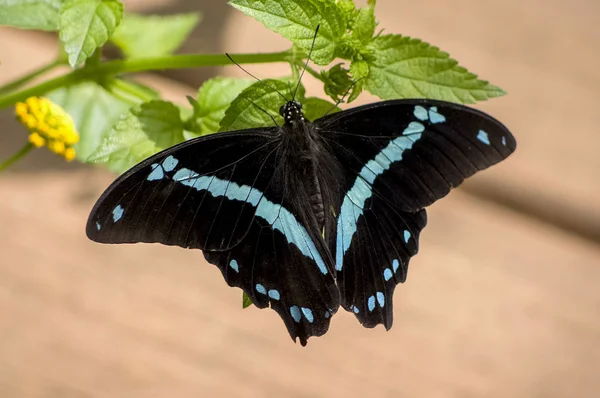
179	196
233	196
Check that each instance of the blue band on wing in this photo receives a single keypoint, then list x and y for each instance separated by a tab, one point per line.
353	204
276	215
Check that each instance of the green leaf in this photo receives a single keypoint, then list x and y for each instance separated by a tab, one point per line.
141	36
246	300
348	10
337	81
296	20
359	71
243	114
315	108
94	111
364	24
213	99
146	130
402	67
30	14
85	25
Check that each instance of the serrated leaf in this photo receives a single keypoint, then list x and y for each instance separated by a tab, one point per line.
141	36
246	300
315	108
402	67
348	10
94	112
359	71
85	25
243	113
213	99
146	130
30	14
364	24
296	20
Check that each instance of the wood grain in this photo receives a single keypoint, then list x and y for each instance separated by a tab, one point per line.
495	305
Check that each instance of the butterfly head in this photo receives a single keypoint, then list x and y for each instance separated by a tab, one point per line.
291	112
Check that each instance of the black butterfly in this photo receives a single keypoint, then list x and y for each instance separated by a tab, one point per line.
310	215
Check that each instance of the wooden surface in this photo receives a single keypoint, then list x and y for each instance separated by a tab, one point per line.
495	305
499	302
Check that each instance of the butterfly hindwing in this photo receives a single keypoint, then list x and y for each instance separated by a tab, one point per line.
233	196
291	272
397	157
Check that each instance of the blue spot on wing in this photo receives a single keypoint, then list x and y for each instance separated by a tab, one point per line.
395	265
234	265
483	137
420	113
371	303
157	173
98	226
295	313
387	274
432	115
406	236
308	314
117	213
381	299
504	140
274	294
169	163
435	117
261	289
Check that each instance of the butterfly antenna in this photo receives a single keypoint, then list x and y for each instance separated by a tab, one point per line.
306	64
263	110
248	73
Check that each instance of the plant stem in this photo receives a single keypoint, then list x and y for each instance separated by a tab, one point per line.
22	152
310	71
28	77
128	91
140	65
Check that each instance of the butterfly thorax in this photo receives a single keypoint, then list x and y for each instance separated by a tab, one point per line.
301	142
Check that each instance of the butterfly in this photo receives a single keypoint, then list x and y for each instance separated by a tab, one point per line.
308	216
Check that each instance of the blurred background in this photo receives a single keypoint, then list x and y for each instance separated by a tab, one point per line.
502	301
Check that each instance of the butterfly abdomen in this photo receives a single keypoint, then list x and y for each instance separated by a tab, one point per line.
303	147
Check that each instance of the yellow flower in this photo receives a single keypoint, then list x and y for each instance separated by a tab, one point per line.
49	124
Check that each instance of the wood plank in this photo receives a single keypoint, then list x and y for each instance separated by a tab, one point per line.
495	305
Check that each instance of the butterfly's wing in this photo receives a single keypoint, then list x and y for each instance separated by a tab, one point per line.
227	195
397	157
